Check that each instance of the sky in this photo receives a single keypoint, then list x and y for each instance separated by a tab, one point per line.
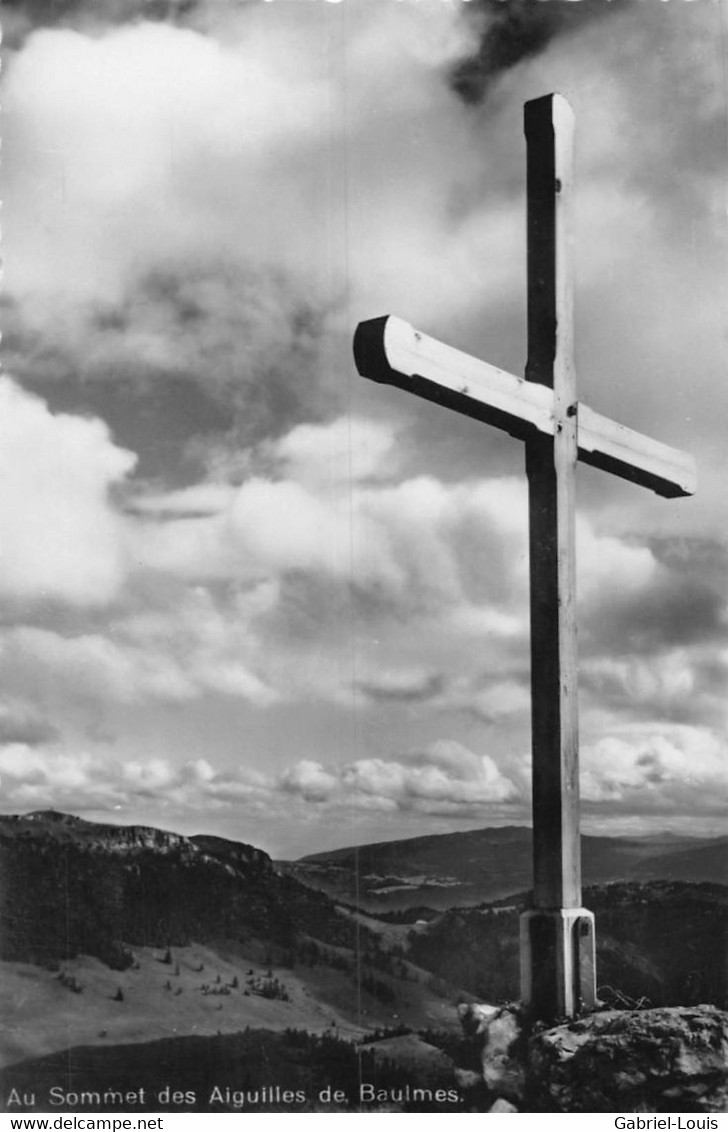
243	590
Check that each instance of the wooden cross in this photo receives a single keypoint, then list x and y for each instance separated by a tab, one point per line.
557	934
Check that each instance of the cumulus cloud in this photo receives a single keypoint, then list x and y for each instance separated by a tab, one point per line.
445	778
242	589
171	654
92	779
671	768
195	107
60	533
657	767
310	780
148	206
649	770
347	449
314	534
322	509
214	138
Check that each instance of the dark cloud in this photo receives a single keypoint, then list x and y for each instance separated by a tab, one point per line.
684	604
674	612
655	653
21	17
510	31
24	725
192	357
706	558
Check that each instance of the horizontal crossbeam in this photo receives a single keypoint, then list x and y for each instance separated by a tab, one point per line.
391	351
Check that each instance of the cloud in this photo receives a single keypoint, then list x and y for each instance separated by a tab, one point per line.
187	218
216	135
92	779
657	684
667	770
146	259
496	701
682	685
60	531
204	350
612	567
404	685
34	778
242	589
511	34
347	449
175	653
23	725
60	669
22	17
167	145
674	599
310	780
657	767
444	778
222	152
322	510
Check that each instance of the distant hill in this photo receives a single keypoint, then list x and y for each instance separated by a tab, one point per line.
68	886
468	868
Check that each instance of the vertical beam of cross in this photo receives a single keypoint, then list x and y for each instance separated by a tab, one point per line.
557	934
551	467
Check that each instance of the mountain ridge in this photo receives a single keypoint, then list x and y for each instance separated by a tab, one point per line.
64	827
472	866
69	886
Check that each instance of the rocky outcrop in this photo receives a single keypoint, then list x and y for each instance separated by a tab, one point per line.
69	887
660	1060
665	1060
502	1032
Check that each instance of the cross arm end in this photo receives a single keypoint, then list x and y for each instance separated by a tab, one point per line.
370	354
605	444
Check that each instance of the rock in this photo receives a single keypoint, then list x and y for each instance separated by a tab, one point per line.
468	1078
473	1015
500	1029
669	1059
502	1105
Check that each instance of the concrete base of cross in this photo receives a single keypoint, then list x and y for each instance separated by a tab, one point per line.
558	965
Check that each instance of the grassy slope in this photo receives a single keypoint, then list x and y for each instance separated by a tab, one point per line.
41	1015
